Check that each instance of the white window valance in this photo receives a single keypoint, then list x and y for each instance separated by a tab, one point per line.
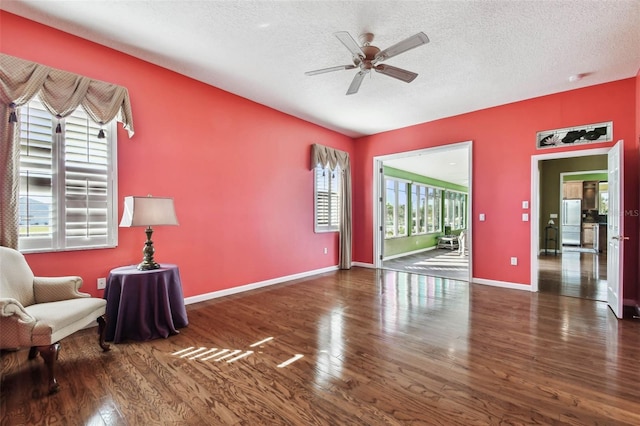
61	92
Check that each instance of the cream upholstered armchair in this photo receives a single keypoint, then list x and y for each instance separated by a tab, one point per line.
38	312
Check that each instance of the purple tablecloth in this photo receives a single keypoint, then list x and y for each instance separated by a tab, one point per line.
144	305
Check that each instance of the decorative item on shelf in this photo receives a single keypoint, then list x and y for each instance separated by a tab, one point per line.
148	211
551	222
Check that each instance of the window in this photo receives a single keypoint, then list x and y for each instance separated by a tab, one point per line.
327	199
434	210
418	209
603	198
455	210
425	209
67	181
396	206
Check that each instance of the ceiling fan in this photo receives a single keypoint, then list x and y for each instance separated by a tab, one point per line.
368	57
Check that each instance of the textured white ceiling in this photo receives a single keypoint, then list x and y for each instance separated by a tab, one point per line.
449	163
481	54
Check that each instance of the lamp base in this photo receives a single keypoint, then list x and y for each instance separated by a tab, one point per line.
147	260
147	266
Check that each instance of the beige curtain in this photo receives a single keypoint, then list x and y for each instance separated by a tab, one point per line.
61	93
329	157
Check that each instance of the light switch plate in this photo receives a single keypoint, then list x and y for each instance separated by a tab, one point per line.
481	217
525	204
525	217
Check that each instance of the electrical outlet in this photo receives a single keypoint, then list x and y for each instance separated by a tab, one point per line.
514	261
326	250
102	283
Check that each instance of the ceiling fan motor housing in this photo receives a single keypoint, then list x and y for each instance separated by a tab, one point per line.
369	51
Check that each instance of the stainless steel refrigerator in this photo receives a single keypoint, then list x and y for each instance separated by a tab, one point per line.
571	222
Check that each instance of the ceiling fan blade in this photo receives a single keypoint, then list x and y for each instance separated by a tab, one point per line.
395	72
401	47
324	70
356	82
348	41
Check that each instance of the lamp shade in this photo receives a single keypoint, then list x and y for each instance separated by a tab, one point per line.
148	211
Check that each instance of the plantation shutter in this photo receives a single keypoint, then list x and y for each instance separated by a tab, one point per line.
334	204
86	194
327	198
322	197
36	174
66	183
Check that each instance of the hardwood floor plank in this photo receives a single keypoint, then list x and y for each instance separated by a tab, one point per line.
358	347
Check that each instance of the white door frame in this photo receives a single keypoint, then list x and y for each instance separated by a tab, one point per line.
535	200
378	191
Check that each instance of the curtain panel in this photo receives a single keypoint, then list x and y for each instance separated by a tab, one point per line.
61	93
330	157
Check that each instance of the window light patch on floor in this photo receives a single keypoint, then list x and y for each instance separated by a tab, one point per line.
290	360
229	355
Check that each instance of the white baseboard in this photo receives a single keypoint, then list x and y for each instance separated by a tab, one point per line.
504	284
248	287
253	286
408	253
363	265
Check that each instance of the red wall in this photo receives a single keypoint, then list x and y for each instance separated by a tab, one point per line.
239	172
503	143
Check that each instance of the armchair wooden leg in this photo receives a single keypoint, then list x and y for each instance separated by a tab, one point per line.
33	352
50	355
102	330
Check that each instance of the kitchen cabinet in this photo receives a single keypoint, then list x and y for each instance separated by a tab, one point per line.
572	190
590	195
588	234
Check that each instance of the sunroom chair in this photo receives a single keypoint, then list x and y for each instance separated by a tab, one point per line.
38	312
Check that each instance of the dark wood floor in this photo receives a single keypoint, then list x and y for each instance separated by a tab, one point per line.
574	274
364	347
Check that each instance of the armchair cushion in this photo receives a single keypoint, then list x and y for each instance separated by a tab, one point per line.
51	327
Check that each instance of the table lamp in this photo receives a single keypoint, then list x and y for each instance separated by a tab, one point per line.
148	211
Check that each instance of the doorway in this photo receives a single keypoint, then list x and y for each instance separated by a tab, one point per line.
573	208
418	199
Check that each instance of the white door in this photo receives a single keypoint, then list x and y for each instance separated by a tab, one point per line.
615	229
